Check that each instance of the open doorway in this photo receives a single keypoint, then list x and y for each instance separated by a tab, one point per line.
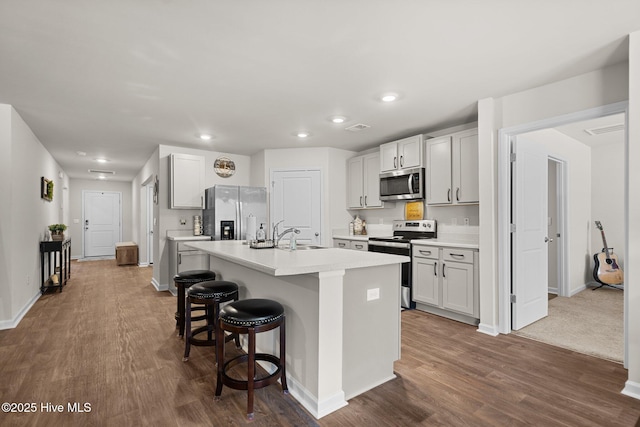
595	193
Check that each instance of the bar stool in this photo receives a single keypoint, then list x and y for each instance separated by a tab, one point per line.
208	294
183	281
251	316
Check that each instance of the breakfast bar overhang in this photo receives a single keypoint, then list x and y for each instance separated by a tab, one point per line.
342	314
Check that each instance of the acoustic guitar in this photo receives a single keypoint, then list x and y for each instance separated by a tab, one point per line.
606	270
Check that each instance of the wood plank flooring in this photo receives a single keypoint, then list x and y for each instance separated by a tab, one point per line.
109	339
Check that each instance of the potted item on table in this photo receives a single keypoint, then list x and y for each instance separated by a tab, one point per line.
57	231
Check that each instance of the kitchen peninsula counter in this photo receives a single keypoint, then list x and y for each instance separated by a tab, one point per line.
342	314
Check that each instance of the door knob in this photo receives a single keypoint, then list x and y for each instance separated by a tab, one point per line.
317	234
548	240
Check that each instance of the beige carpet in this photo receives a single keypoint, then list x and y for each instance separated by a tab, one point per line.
590	322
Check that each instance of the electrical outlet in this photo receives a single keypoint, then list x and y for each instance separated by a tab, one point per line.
466	221
183	221
373	294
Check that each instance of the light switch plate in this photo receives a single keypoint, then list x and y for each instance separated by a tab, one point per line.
373	294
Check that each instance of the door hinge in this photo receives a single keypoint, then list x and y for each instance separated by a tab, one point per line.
512	228
513	299
512	157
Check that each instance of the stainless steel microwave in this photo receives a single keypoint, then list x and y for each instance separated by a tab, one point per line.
405	184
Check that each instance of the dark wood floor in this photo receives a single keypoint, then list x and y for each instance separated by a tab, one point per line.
109	340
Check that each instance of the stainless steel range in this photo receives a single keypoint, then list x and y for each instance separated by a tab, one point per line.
400	244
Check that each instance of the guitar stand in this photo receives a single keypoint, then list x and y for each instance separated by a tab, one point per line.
611	286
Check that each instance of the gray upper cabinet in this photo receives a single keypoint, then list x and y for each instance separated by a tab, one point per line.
403	154
187	181
363	190
452	169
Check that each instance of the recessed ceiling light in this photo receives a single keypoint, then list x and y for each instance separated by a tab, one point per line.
303	134
101	160
389	97
205	137
338	119
102	177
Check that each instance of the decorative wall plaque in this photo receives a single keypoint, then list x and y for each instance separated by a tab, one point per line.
224	167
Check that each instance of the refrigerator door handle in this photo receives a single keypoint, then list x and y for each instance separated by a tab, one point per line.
238	235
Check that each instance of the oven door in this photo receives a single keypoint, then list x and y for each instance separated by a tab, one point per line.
405	278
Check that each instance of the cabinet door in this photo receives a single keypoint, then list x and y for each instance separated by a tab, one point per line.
342	243
465	167
438	185
371	179
355	197
359	245
388	157
187	181
410	152
192	260
426	281
457	287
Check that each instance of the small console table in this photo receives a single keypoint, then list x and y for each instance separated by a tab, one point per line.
58	261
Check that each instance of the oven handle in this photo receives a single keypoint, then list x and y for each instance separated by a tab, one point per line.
390	244
410	183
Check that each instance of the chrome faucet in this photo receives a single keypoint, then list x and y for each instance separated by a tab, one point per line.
277	237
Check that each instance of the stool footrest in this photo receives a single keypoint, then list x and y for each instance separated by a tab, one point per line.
258	382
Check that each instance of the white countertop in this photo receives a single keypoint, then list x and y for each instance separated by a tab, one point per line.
282	262
448	243
351	237
188	238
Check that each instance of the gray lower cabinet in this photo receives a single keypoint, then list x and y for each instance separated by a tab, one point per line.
445	282
183	258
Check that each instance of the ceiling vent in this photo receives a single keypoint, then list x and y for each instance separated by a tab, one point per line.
605	129
357	128
102	172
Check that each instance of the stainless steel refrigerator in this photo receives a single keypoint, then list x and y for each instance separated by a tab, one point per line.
228	209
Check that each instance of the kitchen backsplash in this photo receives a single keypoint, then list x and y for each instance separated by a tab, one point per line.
445	215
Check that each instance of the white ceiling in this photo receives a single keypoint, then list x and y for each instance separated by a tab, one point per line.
578	130
117	78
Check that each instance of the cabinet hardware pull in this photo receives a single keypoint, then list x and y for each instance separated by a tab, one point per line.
179	259
456	255
342	245
365	200
435	269
425	252
443	275
395	162
448	195
358	246
360	200
458	194
401	161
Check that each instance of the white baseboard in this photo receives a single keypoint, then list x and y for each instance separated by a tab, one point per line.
316	408
488	329
10	324
143	264
158	286
576	291
631	389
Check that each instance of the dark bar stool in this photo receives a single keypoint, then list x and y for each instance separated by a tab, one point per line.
208	294
249	317
183	281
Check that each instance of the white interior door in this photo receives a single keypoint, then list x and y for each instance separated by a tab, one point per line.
102	222
296	198
530	250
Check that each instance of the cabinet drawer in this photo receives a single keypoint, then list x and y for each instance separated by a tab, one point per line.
457	255
359	245
342	243
430	252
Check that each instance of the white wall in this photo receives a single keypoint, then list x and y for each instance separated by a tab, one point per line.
607	202
169	219
332	164
632	253
76	187
145	176
578	160
591	90
27	215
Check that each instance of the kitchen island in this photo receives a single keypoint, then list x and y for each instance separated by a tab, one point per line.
343	314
